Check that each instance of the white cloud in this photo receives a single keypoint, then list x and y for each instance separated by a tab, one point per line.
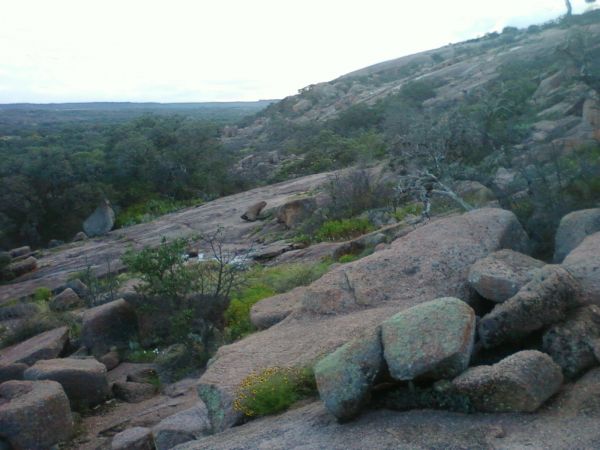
185	50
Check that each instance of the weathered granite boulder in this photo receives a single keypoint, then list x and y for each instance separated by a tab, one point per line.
253	212
430	262
584	264
182	427
84	380
67	299
346	376
294	211
108	325
136	438
132	392
520	383
433	339
573	229
500	275
575	343
101	221
79	287
544	301
34	415
47	345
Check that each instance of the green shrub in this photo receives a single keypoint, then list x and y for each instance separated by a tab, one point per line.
337	230
273	390
42	294
148	210
348	258
262	282
414	209
137	354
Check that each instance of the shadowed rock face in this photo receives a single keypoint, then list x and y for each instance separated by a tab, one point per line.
431	262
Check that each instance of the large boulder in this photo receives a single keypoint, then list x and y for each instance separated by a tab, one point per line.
584	264
181	427
101	221
545	300
136	438
108	325
575	343
253	212
67	299
500	275
520	383
430	262
433	339
346	376
84	380
295	211
20	252
573	229
47	345
34	415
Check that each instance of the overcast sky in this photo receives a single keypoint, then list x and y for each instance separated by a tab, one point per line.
221	50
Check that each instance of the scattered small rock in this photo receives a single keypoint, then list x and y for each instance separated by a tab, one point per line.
253	212
81	236
182	427
21	267
132	392
79	287
110	359
136	438
21	251
66	300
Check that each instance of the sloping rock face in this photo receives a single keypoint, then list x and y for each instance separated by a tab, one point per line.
431	262
34	415
584	264
84	380
519	383
500	275
434	339
47	345
100	221
573	229
345	377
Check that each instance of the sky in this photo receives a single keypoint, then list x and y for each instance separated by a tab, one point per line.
225	50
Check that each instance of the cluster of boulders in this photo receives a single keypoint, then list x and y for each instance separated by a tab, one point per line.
539	324
17	262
